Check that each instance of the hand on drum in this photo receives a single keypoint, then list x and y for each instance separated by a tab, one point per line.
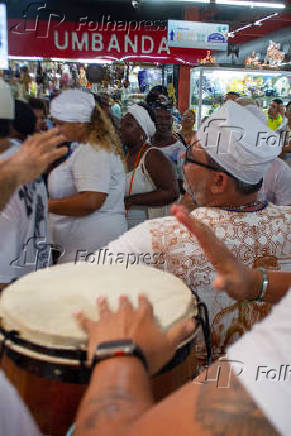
138	325
239	281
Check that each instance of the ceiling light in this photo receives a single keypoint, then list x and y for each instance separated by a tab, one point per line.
251	4
178	1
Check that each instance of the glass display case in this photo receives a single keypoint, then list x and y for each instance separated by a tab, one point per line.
209	85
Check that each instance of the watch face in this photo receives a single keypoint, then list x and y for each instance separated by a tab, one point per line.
108	345
110	348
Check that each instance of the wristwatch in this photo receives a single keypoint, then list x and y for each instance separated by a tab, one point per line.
121	347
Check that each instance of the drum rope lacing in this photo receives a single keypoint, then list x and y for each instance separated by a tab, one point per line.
203	319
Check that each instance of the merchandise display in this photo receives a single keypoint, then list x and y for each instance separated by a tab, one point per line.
128	83
210	85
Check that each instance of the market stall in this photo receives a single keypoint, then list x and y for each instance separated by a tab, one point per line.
209	85
128	83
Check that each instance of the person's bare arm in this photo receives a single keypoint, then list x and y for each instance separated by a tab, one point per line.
119	393
119	400
205	408
32	159
235	278
120	389
163	176
80	204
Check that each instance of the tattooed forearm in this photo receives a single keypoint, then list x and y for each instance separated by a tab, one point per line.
230	412
107	406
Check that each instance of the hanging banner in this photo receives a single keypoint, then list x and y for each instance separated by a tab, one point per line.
192	34
91	40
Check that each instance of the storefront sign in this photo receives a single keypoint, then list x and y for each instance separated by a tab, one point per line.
191	34
3	38
84	40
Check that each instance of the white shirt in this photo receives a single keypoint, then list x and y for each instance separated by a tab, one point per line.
15	419
253	237
266	371
173	153
23	229
90	170
277	184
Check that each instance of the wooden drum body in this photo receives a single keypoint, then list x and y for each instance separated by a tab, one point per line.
45	357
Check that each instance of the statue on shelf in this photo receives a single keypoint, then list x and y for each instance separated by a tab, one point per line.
274	56
208	60
253	61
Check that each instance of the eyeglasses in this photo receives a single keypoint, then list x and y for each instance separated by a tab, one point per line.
190	159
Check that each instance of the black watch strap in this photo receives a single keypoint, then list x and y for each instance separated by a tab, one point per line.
137	352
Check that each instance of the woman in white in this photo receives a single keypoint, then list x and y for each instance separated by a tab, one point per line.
151	181
87	190
169	143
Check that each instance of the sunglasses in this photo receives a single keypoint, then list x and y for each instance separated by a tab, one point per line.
189	159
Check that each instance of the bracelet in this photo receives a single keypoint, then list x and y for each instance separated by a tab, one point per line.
264	285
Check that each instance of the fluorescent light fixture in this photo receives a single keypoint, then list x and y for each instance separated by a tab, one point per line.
82	60
25	58
178	1
251	4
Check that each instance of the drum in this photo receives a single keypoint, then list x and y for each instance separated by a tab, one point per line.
44	349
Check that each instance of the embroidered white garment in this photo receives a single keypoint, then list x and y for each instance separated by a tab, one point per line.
260	238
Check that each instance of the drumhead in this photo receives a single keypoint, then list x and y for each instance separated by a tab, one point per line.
40	306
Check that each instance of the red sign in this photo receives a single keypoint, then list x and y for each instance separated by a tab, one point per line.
82	40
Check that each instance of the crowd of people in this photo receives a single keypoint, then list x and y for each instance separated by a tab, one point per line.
79	178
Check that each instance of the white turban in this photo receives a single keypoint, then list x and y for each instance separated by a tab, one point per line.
73	106
141	115
6	102
238	139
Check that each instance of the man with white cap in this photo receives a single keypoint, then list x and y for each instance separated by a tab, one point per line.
223	172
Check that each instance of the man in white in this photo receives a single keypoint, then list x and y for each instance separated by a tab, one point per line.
277	184
23	222
277	180
223	172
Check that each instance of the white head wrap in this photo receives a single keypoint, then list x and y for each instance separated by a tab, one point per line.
238	139
141	115
7	102
73	106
